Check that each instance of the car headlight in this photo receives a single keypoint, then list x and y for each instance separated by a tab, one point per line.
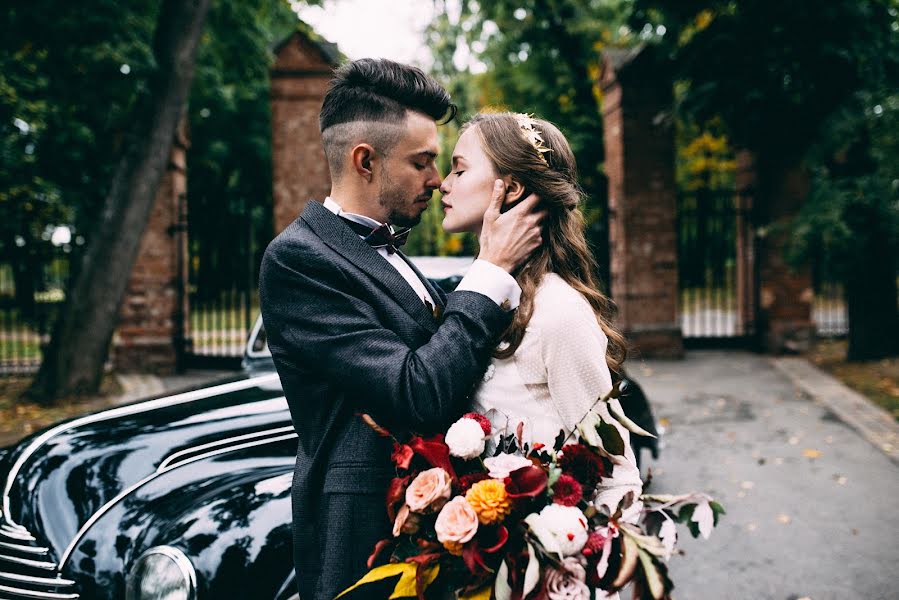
162	573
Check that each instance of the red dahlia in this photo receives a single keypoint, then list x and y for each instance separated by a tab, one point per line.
567	491
483	421
595	542
583	464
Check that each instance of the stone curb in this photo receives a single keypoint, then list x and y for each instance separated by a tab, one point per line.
872	422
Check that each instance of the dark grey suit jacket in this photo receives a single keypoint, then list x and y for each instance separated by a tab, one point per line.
349	335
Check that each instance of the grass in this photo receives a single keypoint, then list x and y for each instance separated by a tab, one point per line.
878	380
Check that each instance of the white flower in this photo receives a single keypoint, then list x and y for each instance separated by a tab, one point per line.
560	528
465	439
501	465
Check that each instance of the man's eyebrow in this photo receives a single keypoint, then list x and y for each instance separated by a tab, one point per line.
429	153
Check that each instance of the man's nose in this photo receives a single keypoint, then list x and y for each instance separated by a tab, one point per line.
435	181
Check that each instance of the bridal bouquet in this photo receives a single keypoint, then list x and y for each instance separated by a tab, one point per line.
481	514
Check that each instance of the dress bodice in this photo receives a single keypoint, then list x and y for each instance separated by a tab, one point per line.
554	378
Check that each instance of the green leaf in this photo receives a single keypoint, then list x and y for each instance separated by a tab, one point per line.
611	438
655	578
717	509
629	555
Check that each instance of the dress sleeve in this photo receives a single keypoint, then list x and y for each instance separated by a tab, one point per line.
574	351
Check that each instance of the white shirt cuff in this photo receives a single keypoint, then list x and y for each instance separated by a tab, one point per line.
486	278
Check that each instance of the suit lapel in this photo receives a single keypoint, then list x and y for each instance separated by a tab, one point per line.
345	242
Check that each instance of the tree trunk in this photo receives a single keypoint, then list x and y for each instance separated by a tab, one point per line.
870	289
74	360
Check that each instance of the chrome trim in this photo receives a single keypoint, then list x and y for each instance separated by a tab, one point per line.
181	561
49	581
16	535
172	458
131	488
120	412
38	564
22	593
23	548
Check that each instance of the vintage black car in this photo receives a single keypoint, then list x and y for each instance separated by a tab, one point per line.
176	497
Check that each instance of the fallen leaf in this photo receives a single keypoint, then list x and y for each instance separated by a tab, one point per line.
783	518
811	453
793	441
840	479
751	527
747	485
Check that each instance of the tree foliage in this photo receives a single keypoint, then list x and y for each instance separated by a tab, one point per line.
807	85
541	57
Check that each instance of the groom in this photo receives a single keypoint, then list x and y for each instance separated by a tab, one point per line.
353	325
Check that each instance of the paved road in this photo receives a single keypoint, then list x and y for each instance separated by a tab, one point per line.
812	506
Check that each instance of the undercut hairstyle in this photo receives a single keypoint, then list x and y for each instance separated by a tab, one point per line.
367	102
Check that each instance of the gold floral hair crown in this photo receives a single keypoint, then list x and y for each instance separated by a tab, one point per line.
527	125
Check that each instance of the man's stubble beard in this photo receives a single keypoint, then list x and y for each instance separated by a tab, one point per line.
393	198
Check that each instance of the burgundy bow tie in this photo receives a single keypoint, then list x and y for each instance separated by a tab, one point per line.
380	237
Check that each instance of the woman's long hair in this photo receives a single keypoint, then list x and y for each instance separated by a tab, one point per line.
565	250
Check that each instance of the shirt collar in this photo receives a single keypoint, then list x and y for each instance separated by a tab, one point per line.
335	208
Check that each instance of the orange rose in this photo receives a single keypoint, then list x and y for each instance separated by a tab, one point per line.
429	491
490	500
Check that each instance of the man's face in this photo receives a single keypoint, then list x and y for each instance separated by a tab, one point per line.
408	176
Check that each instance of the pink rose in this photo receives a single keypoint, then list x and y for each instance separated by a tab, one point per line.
406	522
457	522
567	583
429	491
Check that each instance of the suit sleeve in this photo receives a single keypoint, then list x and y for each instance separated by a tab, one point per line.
314	319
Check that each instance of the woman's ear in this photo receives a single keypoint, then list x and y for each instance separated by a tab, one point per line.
361	156
514	191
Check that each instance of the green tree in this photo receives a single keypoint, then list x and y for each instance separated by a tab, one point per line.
73	362
541	57
229	160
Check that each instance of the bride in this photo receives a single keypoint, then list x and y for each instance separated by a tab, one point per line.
556	357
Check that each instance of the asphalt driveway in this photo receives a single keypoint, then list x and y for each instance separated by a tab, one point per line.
811	504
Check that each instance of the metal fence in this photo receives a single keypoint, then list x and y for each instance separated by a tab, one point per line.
715	277
26	318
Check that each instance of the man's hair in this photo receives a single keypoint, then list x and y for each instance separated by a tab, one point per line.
368	98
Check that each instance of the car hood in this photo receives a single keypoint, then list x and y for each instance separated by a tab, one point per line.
59	478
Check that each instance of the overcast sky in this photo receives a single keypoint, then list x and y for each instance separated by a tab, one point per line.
374	28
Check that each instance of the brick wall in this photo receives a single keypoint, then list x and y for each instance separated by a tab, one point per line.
639	163
153	316
299	81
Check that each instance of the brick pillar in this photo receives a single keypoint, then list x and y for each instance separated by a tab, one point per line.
299	80
785	293
639	148
153	318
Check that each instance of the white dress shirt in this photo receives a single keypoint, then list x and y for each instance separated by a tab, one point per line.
482	277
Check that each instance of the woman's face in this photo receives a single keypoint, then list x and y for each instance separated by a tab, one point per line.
467	189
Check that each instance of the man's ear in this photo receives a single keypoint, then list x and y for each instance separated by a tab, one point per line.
362	156
514	191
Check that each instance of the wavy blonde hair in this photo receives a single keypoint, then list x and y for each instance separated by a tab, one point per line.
564	251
